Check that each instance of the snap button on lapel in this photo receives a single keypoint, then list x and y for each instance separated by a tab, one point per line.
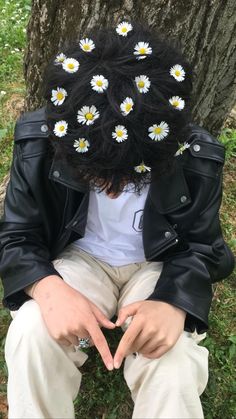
197	147
56	173
168	234
44	128
183	199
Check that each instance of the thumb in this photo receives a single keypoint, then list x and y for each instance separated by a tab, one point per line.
127	311
101	318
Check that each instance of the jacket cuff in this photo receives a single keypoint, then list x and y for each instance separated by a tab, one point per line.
185	283
15	295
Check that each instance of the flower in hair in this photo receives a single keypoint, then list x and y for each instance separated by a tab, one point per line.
60	128
123	28
177	72
58	96
71	65
158	132
60	58
87	45
127	106
142	49
87	115
81	145
182	148
142	168
177	102
120	134
99	83
143	83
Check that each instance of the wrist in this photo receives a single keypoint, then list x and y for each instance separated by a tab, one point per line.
41	287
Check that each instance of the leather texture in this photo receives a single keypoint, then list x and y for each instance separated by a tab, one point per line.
46	209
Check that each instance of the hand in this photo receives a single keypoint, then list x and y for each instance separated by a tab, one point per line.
154	329
69	314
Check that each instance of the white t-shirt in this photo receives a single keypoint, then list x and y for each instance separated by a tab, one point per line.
114	227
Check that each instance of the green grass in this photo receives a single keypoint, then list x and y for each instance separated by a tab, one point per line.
104	394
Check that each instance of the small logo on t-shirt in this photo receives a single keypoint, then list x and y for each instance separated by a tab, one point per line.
138	221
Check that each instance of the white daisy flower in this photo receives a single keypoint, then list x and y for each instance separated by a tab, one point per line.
142	168
60	128
87	115
177	102
58	96
99	83
123	28
143	83
70	65
177	72
142	49
127	106
81	145
182	148
60	59
120	134
87	45
158	132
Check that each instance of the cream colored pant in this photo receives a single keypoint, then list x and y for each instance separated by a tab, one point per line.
44	378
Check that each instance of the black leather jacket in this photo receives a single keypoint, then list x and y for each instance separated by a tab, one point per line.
46	209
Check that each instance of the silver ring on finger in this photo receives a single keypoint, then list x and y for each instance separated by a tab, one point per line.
84	343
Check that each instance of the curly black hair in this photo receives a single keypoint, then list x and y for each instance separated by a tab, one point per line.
108	162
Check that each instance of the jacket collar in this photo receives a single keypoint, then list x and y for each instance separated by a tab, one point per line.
171	192
168	194
61	172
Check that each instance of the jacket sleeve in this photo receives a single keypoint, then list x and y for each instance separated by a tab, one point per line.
24	255
200	255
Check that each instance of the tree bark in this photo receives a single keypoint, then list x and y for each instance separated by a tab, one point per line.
206	30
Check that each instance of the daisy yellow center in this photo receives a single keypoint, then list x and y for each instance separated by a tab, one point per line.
71	66
142	50
177	72
89	116
119	133
141	84
124	30
175	103
128	107
82	144
61	59
86	47
142	168
99	83
157	130
61	128
60	96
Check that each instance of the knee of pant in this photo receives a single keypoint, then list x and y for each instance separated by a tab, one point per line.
27	326
183	366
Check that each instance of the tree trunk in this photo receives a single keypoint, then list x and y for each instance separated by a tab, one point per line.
206	30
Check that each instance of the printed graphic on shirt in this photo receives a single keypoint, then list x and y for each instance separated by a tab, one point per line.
138	221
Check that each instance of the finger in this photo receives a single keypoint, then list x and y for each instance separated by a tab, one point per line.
101	318
126	342
63	342
157	353
127	311
101	345
140	342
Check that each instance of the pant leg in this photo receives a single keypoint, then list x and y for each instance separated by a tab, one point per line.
168	387
43	380
43	375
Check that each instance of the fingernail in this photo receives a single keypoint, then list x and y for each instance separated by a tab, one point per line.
116	364
110	367
117	323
